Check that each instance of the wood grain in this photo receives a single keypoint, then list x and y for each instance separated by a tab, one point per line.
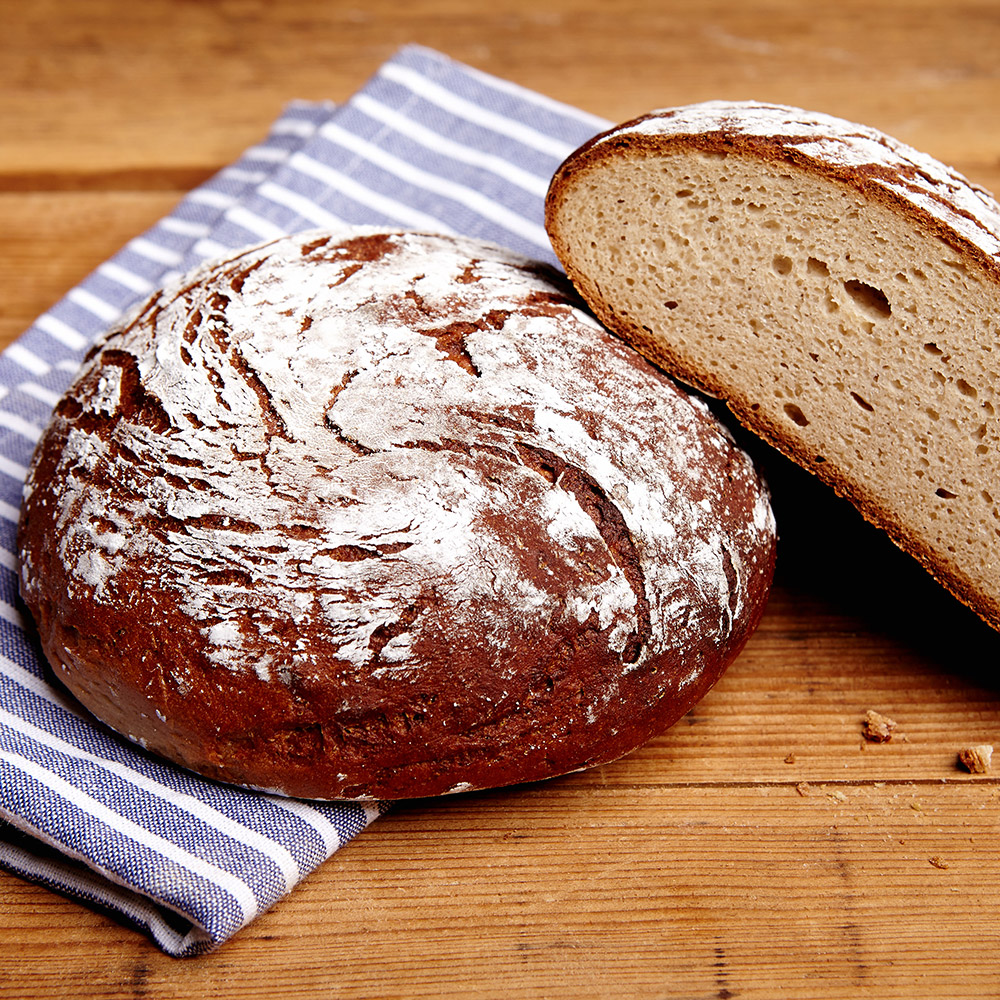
191	83
54	239
760	848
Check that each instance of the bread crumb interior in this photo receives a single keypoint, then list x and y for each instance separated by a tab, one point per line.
852	337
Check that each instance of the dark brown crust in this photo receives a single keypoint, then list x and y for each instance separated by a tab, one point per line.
863	179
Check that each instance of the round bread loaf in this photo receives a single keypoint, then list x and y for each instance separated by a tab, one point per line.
381	515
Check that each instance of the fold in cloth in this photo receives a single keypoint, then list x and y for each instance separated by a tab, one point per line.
426	144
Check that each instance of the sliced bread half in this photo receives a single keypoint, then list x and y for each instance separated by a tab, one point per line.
838	289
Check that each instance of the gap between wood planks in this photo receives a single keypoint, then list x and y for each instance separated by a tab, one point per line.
792	783
110	180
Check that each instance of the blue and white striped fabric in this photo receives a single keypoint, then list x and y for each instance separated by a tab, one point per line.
428	144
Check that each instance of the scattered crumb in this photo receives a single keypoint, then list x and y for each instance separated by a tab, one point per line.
837	795
803	788
915	806
976	759
938	862
790	759
877	728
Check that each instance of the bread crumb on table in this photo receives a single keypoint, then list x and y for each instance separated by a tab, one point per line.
976	759
938	862
877	728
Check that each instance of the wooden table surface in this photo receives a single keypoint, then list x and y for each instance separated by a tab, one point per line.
761	848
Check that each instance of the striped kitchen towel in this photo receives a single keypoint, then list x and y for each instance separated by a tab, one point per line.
427	143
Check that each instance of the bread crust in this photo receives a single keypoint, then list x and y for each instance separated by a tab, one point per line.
386	515
931	196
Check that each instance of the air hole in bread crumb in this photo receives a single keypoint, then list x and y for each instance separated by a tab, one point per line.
869	299
965	389
684	193
795	415
782	265
863	403
945	494
933	348
816	266
671	304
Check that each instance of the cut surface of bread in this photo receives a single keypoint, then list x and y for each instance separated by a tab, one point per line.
836	288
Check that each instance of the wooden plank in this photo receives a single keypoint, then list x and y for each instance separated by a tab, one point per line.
52	240
689	891
134	86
